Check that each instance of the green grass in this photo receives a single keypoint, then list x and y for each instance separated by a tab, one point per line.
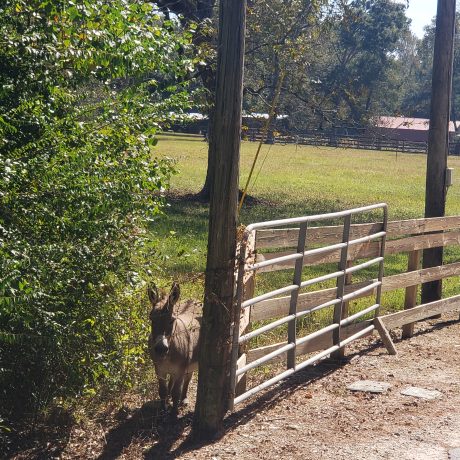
303	180
293	181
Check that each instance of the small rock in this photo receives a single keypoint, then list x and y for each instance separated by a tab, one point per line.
454	454
293	427
421	393
369	386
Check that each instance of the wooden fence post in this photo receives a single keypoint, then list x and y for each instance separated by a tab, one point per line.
438	134
248	293
348	280
410	300
338	308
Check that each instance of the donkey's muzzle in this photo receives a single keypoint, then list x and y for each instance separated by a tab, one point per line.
161	349
159	345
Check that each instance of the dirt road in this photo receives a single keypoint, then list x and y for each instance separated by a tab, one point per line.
311	416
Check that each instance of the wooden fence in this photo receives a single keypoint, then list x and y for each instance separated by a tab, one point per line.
365	142
407	237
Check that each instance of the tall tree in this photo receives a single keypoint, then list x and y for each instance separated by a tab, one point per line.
282	41
417	97
363	39
201	12
340	59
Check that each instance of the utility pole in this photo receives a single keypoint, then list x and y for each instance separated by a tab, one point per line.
215	336
438	135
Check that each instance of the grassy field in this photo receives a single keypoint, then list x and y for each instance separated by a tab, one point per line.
290	181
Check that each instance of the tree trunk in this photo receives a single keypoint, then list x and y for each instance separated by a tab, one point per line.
213	379
438	135
205	193
197	12
208	77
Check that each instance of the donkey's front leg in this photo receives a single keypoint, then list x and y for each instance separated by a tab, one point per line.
170	385
187	378
176	392
162	386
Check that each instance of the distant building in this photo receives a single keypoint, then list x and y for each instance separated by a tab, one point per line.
196	122
405	128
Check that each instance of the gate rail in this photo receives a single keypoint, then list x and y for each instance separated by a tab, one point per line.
293	289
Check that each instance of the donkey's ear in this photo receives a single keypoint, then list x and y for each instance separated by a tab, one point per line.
152	292
174	294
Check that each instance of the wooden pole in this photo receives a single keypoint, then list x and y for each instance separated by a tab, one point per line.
438	135
213	378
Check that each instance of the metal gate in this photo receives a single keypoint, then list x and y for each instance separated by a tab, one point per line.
299	257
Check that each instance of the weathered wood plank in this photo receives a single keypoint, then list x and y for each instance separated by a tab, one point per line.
385	336
338	308
248	281
280	306
346	305
364	251
286	238
319	343
410	299
245	319
242	361
421	312
404	280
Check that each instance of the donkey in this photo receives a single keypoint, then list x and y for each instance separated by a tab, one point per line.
173	343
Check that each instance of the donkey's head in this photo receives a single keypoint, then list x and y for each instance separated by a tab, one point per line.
162	319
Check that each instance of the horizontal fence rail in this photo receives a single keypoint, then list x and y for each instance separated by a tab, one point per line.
287	238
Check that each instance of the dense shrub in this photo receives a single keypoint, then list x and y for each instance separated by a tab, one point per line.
84	86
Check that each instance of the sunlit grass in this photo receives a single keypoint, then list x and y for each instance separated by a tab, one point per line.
294	181
302	180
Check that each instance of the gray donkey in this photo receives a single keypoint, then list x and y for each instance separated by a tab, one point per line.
173	343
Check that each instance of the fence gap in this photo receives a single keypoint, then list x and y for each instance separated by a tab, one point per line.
292	326
410	300
339	307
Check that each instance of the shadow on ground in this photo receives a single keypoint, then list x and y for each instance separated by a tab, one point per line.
173	436
39	439
158	435
164	448
148	423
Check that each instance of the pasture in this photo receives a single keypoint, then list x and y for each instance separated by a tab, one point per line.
290	181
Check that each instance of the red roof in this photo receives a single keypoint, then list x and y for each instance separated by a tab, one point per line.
417	124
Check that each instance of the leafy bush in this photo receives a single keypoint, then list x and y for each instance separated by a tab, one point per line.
84	86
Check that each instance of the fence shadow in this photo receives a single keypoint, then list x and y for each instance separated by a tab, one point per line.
267	400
